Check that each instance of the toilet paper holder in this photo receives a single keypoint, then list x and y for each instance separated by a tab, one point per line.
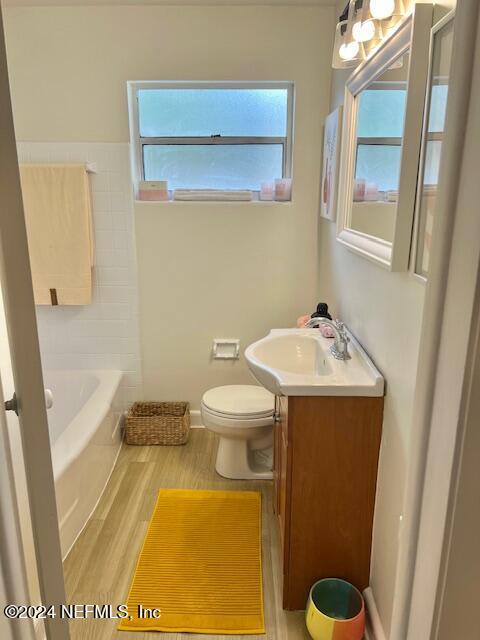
226	349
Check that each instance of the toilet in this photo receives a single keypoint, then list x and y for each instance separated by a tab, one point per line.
243	417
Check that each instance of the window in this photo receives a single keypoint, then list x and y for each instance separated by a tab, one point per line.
380	132
213	135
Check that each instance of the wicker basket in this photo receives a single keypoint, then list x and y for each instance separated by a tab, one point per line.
165	423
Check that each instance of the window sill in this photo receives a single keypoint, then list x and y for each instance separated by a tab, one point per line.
243	203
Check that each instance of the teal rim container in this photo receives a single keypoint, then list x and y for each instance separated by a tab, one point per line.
335	611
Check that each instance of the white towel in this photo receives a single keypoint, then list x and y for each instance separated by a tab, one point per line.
58	217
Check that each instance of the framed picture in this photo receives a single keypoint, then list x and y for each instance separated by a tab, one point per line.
331	152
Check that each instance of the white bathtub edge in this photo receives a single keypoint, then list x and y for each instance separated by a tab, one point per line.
64	451
98	501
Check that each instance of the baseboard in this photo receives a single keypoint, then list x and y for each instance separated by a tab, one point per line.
196	419
374	629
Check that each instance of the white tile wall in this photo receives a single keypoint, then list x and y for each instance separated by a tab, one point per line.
105	334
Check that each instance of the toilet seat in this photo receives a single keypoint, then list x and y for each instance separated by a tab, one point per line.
239	402
239	422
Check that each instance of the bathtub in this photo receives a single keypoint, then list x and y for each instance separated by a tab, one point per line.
85	435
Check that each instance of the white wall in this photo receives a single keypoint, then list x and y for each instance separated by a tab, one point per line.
236	270
205	271
104	334
384	310
458	606
72	62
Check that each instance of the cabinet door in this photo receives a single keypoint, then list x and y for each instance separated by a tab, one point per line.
334	444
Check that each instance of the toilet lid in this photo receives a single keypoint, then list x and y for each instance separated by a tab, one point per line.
240	400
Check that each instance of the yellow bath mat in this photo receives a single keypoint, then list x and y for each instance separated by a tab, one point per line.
200	565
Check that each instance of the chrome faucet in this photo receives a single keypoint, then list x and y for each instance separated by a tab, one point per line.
339	348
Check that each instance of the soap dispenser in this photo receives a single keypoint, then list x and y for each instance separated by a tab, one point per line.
322	311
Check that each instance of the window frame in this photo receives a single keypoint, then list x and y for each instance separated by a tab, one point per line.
139	142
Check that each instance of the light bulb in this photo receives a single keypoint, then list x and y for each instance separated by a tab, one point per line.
363	31
357	31
348	51
382	9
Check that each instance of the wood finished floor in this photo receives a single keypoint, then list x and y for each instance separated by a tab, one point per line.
100	566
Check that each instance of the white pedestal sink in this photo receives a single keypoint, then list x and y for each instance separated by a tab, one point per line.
298	362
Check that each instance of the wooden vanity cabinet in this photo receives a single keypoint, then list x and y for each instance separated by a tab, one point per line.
325	472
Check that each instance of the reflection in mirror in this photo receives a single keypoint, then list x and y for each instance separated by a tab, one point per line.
432	144
379	134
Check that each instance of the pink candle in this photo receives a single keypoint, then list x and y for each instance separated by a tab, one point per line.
283	189
267	191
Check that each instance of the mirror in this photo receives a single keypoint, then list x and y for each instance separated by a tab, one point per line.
442	40
383	113
378	152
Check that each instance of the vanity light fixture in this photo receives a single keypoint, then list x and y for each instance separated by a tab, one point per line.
362	27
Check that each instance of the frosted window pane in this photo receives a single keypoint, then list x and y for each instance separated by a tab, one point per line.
243	166
205	112
438	107
433	154
380	165
381	113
